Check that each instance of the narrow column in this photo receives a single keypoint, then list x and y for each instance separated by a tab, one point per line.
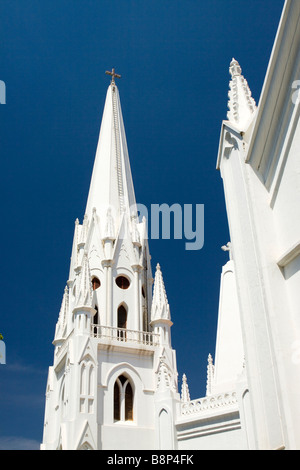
107	265
137	319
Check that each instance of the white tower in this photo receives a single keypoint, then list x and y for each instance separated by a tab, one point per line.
113	383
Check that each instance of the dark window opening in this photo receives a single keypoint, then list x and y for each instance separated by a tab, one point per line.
96	316
122	321
123	399
95	283
122	379
128	403
117	402
122	282
96	319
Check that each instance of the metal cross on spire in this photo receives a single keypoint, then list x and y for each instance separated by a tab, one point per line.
113	75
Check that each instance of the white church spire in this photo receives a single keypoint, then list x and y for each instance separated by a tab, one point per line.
185	393
107	306
160	307
111	184
241	104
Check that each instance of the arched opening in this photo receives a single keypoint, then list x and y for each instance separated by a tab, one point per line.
96	283
96	320
91	381
122	282
144	309
83	379
122	322
123	399
128	402
165	430
117	402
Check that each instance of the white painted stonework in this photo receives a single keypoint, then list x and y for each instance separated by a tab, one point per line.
114	383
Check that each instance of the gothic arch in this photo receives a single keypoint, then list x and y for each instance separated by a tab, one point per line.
123	399
165	409
91	380
83	374
138	388
86	385
165	429
126	369
122	318
123	304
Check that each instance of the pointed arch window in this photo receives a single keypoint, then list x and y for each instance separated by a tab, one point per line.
123	399
122	322
117	401
128	402
87	387
96	320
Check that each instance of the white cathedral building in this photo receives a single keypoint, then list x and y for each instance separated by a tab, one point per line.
114	382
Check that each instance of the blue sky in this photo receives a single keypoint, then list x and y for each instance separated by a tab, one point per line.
174	57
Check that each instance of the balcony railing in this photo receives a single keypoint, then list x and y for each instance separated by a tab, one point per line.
123	335
221	400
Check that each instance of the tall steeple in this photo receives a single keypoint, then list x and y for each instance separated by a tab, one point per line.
111	184
113	360
241	104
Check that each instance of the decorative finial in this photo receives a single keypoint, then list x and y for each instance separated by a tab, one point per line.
160	307
210	375
241	104
113	75
235	68
185	394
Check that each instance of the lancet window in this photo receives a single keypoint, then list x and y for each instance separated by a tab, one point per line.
123	399
87	381
122	322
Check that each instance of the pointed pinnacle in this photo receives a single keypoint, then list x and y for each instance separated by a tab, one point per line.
235	68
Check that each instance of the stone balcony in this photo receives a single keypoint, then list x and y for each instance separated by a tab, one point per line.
122	337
